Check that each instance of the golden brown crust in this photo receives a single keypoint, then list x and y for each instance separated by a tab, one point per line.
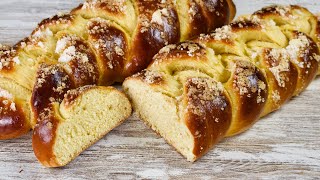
54	20
232	10
248	91
44	136
197	18
208	114
13	119
158	25
282	78
78	60
217	18
305	60
52	83
111	48
318	27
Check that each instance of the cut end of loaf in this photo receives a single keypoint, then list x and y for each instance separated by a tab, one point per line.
191	124
79	124
161	113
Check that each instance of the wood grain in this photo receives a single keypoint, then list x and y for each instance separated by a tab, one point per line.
283	145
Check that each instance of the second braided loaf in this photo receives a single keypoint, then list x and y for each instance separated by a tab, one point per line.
196	93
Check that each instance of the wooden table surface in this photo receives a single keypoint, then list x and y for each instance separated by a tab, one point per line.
283	145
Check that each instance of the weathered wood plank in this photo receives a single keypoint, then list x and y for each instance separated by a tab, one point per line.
285	144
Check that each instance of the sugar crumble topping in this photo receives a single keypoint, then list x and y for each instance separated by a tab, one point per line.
64	42
283	65
98	25
276	96
282	10
71	95
223	33
8	99
167	49
191	48
8	57
42	33
103	42
5	94
13	106
145	23
261	87
203	90
45	114
71	48
157	16
192	10
296	49
150	77
316	57
112	5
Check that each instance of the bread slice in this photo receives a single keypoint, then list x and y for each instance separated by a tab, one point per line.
85	116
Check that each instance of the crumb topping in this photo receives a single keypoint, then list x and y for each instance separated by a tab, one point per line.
316	57
261	87
13	106
276	96
145	24
42	33
98	25
7	101
45	72
167	49
45	115
191	48
114	50
150	77
64	42
71	95
282	10
223	33
242	78
76	57
8	57
192	10
157	16
114	5
246	81
296	49
5	94
279	65
203	90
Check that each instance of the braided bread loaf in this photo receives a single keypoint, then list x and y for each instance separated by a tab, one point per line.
99	42
196	93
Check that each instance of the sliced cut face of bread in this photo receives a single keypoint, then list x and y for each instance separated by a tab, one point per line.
85	115
184	121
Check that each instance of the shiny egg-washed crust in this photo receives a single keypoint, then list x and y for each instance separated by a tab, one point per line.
257	62
102	42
